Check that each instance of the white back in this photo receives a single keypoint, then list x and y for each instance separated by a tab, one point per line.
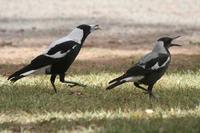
76	35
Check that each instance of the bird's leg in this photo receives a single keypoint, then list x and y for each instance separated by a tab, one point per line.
53	77
71	83
137	85
149	91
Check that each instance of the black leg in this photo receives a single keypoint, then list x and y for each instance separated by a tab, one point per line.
149	90
71	83
53	77
137	85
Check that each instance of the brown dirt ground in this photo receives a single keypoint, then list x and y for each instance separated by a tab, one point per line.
129	31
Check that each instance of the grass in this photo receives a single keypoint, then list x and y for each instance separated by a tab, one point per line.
197	43
31	105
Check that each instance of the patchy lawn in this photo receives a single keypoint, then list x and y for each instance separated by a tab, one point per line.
31	105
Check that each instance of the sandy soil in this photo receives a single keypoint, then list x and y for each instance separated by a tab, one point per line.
130	28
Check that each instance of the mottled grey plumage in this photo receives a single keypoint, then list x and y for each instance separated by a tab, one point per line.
150	68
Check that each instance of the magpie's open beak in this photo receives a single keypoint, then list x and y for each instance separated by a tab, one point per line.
173	44
176	37
95	27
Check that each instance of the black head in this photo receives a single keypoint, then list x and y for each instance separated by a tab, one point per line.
167	41
87	29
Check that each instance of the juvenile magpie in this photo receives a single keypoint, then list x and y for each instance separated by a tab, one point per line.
150	68
58	57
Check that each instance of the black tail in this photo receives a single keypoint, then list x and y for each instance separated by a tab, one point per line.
37	63
115	84
17	75
118	79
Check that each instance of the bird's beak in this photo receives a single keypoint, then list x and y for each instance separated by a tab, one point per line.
175	37
95	27
174	44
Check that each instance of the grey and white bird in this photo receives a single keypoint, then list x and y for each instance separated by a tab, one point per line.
150	68
58	57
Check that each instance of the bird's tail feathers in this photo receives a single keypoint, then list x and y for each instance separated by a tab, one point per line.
117	79
115	85
14	79
21	73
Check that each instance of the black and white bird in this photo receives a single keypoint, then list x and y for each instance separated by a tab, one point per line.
150	68
58	57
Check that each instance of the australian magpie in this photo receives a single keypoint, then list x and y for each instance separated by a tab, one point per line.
150	68
58	57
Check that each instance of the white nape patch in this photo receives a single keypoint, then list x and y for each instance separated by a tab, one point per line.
159	47
76	35
58	54
27	73
156	66
133	78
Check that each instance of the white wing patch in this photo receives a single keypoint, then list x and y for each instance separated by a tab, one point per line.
166	62
58	54
133	78
156	66
74	47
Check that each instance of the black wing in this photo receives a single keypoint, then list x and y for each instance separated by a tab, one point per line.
149	63
50	57
62	49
